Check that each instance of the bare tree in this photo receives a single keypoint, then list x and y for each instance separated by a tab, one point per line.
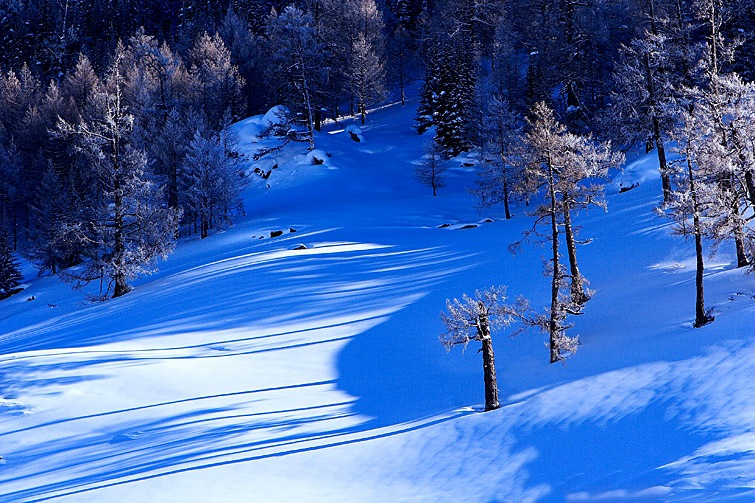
474	319
431	172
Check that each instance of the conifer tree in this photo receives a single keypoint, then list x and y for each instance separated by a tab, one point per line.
10	272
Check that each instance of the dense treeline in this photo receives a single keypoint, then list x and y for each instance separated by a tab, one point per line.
113	113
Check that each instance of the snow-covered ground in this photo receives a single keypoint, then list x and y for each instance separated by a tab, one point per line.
249	370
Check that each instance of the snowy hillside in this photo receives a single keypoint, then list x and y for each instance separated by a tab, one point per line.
251	368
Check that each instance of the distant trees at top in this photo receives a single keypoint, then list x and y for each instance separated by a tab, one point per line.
624	70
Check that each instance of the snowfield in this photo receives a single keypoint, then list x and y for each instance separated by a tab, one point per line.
251	368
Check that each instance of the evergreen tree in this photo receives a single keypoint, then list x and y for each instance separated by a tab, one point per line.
447	100
52	210
10	272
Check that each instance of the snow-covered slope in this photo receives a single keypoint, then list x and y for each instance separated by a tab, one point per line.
249	370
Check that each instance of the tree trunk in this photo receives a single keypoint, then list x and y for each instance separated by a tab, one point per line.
119	231
701	317
578	295
662	163
553	325
488	364
506	198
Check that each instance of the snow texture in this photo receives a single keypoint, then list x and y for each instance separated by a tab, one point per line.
248	370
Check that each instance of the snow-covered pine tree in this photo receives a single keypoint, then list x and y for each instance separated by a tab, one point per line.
10	272
447	99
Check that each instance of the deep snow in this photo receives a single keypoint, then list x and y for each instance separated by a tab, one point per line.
248	370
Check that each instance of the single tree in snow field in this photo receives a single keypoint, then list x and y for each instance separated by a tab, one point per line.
10	273
474	319
431	171
500	173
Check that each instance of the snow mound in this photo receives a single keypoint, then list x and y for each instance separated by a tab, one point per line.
276	116
315	158
355	133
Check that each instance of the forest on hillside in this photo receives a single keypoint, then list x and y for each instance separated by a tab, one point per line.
114	113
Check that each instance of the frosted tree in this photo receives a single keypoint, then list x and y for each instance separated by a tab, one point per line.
295	57
499	175
127	227
81	82
696	199
564	169
210	180
475	319
10	272
353	32
366	75
646	84
431	171
714	95
568	170
220	83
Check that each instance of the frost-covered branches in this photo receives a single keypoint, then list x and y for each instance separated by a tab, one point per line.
473	318
432	172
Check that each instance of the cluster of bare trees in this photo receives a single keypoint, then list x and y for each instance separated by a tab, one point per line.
681	88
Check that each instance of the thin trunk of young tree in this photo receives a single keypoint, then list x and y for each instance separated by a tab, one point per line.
506	198
553	326
662	163
701	317
578	295
119	246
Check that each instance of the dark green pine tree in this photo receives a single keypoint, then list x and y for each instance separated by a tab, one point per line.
10	272
447	100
